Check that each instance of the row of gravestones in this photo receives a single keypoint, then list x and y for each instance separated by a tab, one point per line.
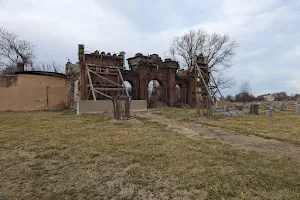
269	110
254	109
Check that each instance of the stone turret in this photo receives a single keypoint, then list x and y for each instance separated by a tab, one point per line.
80	52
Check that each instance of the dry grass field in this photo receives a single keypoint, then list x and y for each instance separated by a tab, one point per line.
59	155
283	126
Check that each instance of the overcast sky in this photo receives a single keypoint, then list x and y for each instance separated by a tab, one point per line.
267	31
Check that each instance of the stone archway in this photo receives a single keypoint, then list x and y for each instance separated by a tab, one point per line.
132	89
178	95
155	97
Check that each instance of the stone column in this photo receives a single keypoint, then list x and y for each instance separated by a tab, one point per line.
191	89
82	83
82	72
171	88
184	93
143	90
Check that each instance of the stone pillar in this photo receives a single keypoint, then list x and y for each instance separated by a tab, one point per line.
82	72
82	82
191	89
143	90
171	88
184	93
72	72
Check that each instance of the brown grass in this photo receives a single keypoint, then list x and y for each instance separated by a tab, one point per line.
58	155
283	126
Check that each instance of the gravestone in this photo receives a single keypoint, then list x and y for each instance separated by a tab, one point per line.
281	107
214	108
298	109
269	108
239	108
229	113
254	109
268	113
225	108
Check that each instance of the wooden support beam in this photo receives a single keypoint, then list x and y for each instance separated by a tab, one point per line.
105	73
104	86
93	65
109	89
104	78
91	83
201	76
123	83
102	93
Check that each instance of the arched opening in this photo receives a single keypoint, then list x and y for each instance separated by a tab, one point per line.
155	94
178	95
131	90
181	94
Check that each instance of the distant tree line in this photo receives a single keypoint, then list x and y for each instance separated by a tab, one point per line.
245	95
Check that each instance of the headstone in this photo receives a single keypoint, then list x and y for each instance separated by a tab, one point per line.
225	108
229	113
254	109
268	113
239	108
298	109
269	108
251	109
281	107
214	108
233	113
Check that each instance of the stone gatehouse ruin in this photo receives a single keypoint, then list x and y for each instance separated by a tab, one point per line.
177	86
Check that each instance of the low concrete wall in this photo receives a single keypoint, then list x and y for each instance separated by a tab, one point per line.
106	106
32	92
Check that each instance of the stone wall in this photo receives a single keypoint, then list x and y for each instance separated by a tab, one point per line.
106	106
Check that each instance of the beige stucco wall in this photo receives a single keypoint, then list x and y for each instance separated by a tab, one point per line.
34	92
106	106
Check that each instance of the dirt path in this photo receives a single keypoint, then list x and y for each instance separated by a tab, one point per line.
241	141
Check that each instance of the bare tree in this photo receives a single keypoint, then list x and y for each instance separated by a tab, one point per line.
14	51
245	87
281	96
48	67
219	50
244	94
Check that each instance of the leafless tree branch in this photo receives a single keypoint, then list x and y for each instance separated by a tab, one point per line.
14	51
219	51
48	67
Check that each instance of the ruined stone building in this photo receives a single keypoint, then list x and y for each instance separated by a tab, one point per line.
142	69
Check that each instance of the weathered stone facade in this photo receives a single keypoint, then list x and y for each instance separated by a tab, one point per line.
142	69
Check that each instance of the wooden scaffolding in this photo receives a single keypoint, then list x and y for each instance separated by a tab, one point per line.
115	91
205	90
